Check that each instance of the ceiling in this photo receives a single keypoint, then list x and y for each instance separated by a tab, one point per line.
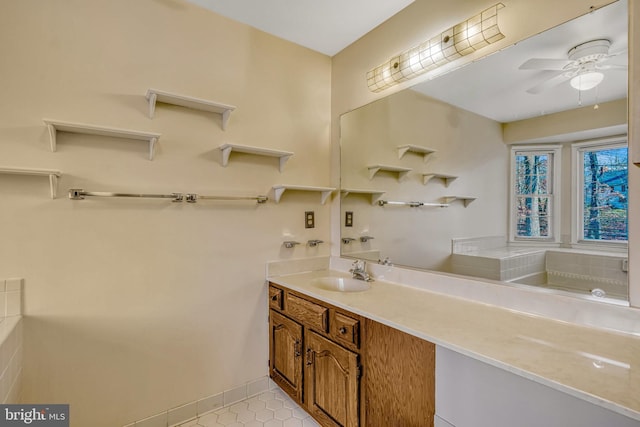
493	87
496	88
326	26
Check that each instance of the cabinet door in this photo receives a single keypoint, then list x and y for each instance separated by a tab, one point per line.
331	378
285	361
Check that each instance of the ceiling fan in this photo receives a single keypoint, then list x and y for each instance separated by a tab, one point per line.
582	67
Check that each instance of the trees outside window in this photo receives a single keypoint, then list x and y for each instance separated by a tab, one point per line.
533	191
534	207
599	193
603	182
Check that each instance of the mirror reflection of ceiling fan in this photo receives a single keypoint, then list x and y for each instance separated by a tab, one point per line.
582	67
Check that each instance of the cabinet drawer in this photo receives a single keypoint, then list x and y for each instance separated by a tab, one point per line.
275	298
307	312
345	329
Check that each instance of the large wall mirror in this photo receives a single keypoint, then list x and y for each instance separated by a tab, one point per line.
502	169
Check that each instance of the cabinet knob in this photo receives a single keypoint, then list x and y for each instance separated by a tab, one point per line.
342	330
274	297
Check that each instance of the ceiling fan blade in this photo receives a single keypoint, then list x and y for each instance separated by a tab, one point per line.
548	84
611	67
546	64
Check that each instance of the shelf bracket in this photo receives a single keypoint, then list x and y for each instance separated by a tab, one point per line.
282	156
52	136
446	179
53	185
402	172
465	200
325	192
152	104
423	151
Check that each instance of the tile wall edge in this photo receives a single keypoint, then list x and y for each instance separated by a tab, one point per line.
226	398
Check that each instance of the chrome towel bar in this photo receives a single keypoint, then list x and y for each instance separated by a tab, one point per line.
80	194
412	204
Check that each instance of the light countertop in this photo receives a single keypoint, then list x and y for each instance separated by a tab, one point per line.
594	365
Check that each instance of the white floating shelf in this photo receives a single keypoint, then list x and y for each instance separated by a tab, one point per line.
466	200
374	169
446	179
52	174
58	126
280	189
154	95
375	194
424	151
226	149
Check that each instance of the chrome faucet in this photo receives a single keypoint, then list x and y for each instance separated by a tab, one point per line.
359	271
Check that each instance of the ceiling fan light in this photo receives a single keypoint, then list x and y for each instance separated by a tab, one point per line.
586	81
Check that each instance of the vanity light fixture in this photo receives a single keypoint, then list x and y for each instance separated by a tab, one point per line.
460	40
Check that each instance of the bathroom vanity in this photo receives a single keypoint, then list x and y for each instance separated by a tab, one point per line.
399	355
345	369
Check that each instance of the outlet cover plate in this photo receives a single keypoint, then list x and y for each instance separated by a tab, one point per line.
309	219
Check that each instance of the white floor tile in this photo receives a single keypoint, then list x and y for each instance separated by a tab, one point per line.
271	408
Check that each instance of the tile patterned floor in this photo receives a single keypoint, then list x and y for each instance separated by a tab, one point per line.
272	408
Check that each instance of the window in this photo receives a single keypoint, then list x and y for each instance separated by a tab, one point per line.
534	199
602	192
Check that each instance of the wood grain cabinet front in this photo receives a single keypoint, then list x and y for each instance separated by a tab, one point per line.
309	313
345	330
275	298
285	354
331	384
347	370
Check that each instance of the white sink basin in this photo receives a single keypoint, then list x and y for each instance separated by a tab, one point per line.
340	284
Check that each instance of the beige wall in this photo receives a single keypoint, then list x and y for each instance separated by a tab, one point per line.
581	123
136	306
467	146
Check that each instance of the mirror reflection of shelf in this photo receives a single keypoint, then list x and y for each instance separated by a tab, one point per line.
226	149
325	192
56	126
465	199
409	148
375	194
446	179
52	174
374	169
154	95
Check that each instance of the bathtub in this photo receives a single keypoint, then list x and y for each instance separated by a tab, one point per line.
572	270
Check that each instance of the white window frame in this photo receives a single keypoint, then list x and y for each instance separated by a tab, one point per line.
577	186
554	196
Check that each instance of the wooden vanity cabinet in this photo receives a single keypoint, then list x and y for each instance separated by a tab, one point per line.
331	382
285	354
399	378
346	370
314	356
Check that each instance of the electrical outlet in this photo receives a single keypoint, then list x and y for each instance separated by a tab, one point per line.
348	219
309	219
